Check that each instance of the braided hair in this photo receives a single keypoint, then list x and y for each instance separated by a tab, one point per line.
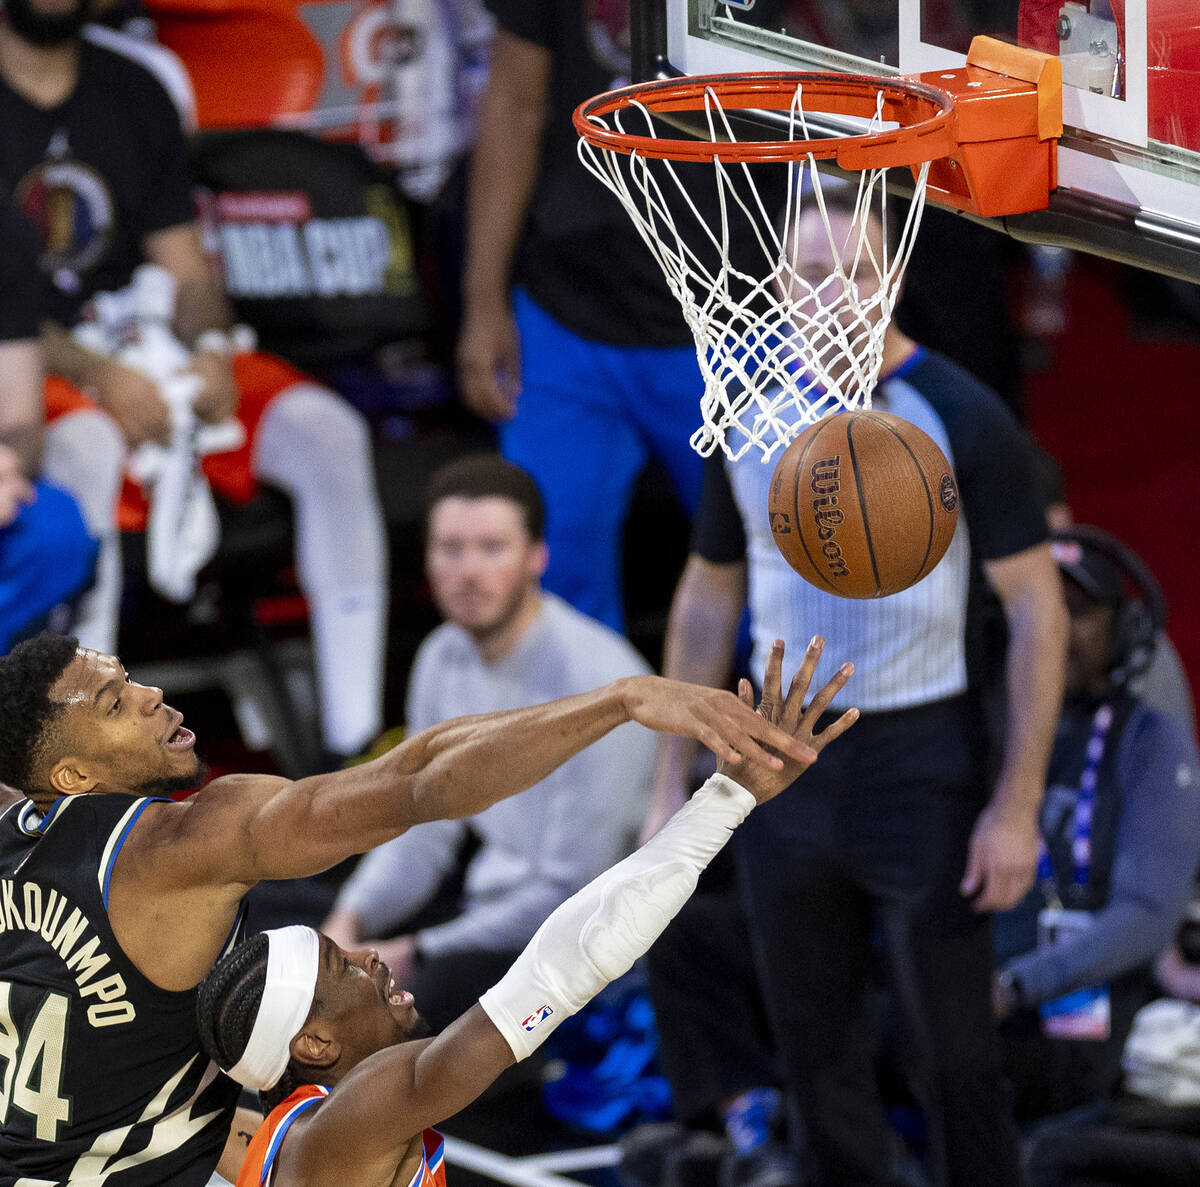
27	674
227	1005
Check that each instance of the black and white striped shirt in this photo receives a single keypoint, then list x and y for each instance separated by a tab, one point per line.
910	648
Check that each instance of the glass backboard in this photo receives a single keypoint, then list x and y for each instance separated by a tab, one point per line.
1129	157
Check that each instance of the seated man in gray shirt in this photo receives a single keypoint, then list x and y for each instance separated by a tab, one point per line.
506	644
1121	830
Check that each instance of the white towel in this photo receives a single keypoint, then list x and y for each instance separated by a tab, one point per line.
183	529
134	327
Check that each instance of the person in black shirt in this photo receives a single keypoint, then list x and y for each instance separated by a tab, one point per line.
94	152
587	363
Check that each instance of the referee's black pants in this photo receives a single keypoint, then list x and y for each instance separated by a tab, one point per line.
869	848
714	1041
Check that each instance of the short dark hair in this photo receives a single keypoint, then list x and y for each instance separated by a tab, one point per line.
27	674
485	476
227	1004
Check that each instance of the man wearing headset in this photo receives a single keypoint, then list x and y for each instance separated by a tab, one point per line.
1120	827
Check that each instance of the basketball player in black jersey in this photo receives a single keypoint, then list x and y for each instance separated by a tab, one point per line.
333	1043
115	903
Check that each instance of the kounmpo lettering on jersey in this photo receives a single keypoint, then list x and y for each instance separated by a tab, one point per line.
30	907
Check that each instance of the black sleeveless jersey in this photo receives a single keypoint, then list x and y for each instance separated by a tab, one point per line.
102	1080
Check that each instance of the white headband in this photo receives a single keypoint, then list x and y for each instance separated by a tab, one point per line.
293	954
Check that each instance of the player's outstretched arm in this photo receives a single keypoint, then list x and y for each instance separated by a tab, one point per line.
195	860
242	830
594	937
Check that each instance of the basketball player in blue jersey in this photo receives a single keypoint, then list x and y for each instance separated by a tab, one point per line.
114	903
324	1034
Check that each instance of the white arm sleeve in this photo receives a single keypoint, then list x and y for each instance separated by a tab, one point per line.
597	934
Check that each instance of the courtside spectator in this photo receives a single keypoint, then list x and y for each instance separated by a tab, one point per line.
96	155
506	643
1121	831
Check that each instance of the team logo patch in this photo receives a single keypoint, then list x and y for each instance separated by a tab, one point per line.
72	210
537	1017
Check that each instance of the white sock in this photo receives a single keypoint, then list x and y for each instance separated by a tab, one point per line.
349	626
84	453
317	448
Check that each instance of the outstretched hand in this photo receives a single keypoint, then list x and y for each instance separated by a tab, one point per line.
727	724
766	780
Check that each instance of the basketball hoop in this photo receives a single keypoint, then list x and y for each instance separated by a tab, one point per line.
779	349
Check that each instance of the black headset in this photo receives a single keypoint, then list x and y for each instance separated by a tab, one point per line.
1140	615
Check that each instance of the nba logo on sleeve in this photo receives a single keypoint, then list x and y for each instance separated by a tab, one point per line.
537	1017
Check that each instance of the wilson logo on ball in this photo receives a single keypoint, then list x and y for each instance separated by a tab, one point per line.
825	483
870	500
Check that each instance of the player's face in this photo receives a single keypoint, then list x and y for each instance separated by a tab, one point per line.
121	731
1089	643
482	563
361	1002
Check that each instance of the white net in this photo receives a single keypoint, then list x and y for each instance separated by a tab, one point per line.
788	298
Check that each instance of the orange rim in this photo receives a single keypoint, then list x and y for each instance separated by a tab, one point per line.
925	115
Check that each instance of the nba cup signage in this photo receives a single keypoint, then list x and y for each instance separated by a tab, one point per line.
312	244
271	244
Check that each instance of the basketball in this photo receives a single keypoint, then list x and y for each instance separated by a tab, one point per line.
863	504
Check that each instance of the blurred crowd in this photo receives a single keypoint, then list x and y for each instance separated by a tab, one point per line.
309	314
